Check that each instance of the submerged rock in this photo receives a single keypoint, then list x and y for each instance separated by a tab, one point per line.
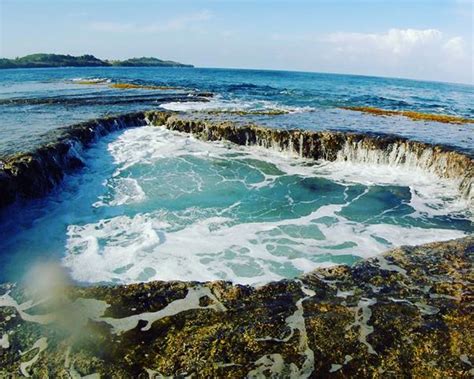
417	116
407	313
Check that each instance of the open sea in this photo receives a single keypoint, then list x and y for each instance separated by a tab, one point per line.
153	204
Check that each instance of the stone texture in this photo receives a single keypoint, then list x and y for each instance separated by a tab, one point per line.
407	313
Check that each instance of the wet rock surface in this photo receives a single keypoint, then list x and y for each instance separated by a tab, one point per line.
34	174
407	313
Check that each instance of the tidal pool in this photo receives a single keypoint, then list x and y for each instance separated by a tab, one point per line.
153	204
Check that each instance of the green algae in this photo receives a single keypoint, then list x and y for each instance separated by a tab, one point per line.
262	112
124	86
416	116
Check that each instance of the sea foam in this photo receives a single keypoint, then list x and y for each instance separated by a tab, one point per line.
206	211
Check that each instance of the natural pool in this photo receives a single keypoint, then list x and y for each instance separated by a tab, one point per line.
153	204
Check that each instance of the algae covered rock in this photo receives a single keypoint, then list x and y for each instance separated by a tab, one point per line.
407	313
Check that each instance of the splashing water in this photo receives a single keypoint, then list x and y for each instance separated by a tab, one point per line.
153	204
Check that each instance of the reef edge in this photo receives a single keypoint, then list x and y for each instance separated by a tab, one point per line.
406	313
34	174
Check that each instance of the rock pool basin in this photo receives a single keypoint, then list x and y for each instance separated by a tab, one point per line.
257	207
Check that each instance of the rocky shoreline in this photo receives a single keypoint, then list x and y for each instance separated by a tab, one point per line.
34	174
407	313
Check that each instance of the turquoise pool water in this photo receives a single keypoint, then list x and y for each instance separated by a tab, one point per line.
153	204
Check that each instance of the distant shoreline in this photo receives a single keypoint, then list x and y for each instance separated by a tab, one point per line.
125	63
58	60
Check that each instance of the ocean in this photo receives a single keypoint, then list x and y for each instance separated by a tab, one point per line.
156	204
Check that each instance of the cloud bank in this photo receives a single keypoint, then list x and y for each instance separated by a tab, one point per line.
424	53
412	53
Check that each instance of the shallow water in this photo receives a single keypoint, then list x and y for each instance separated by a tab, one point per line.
35	101
153	204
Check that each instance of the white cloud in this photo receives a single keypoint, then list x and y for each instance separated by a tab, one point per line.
455	47
112	27
418	53
410	53
396	41
182	22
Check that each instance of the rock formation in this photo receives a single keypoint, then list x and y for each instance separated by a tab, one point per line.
34	174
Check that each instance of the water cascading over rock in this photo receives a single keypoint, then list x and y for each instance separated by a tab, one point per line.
33	174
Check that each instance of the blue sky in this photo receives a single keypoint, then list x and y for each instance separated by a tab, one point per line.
422	39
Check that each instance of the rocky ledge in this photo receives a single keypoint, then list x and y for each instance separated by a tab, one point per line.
34	174
407	313
335	146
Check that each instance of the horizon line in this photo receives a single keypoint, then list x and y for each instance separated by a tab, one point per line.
471	84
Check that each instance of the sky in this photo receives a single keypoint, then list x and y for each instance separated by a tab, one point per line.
418	39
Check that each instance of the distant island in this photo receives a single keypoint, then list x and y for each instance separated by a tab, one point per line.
60	60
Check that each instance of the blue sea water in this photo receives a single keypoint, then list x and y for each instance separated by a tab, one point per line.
158	205
34	101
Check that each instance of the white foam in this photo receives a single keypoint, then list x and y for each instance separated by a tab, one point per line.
92	80
135	242
125	191
40	345
7	301
218	103
208	244
191	301
4	341
363	313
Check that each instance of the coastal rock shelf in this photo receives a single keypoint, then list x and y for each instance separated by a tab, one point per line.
34	174
407	313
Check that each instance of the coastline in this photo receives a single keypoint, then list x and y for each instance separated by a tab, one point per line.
43	60
252	190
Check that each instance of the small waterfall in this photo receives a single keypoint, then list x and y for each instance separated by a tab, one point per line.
339	146
300	152
34	174
290	148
